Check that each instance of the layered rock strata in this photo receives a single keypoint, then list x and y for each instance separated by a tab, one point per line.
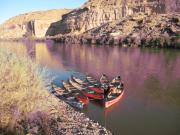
137	30
34	24
96	13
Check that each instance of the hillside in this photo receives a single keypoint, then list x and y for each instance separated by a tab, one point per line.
140	29
95	13
140	25
30	24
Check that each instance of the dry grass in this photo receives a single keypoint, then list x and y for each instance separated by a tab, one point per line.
22	89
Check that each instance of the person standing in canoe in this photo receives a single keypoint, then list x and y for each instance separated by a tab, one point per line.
117	84
104	79
107	91
119	88
116	81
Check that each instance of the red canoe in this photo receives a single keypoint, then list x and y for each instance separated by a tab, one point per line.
113	100
93	96
76	93
96	89
83	99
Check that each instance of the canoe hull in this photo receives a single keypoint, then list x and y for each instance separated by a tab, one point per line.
77	93
97	90
83	99
93	96
86	91
79	81
93	81
107	104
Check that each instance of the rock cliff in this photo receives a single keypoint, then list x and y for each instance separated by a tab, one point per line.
96	13
92	15
33	24
139	29
140	25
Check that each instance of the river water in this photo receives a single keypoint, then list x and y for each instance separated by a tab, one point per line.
151	102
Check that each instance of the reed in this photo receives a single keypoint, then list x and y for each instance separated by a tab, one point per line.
22	89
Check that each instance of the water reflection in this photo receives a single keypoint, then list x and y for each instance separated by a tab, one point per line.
151	102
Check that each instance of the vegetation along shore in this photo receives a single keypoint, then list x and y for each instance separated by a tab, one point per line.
28	107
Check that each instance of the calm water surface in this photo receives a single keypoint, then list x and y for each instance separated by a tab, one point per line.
151	102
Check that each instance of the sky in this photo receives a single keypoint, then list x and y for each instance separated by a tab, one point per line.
10	8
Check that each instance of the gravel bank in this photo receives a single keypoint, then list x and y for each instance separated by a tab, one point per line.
63	119
75	122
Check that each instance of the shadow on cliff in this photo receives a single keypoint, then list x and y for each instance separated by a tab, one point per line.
63	26
77	18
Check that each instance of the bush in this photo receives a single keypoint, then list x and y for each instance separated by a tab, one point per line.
22	88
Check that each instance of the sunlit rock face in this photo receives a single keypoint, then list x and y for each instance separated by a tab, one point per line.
90	15
33	24
95	13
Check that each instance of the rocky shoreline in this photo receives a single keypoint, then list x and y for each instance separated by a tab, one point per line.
64	119
159	42
28	105
171	42
59	119
139	30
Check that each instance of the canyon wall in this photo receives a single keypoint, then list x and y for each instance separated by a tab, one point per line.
95	13
34	24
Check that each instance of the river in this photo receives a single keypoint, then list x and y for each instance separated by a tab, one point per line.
151	102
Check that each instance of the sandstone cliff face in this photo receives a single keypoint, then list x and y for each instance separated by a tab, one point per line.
140	29
92	14
33	24
140	25
95	13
